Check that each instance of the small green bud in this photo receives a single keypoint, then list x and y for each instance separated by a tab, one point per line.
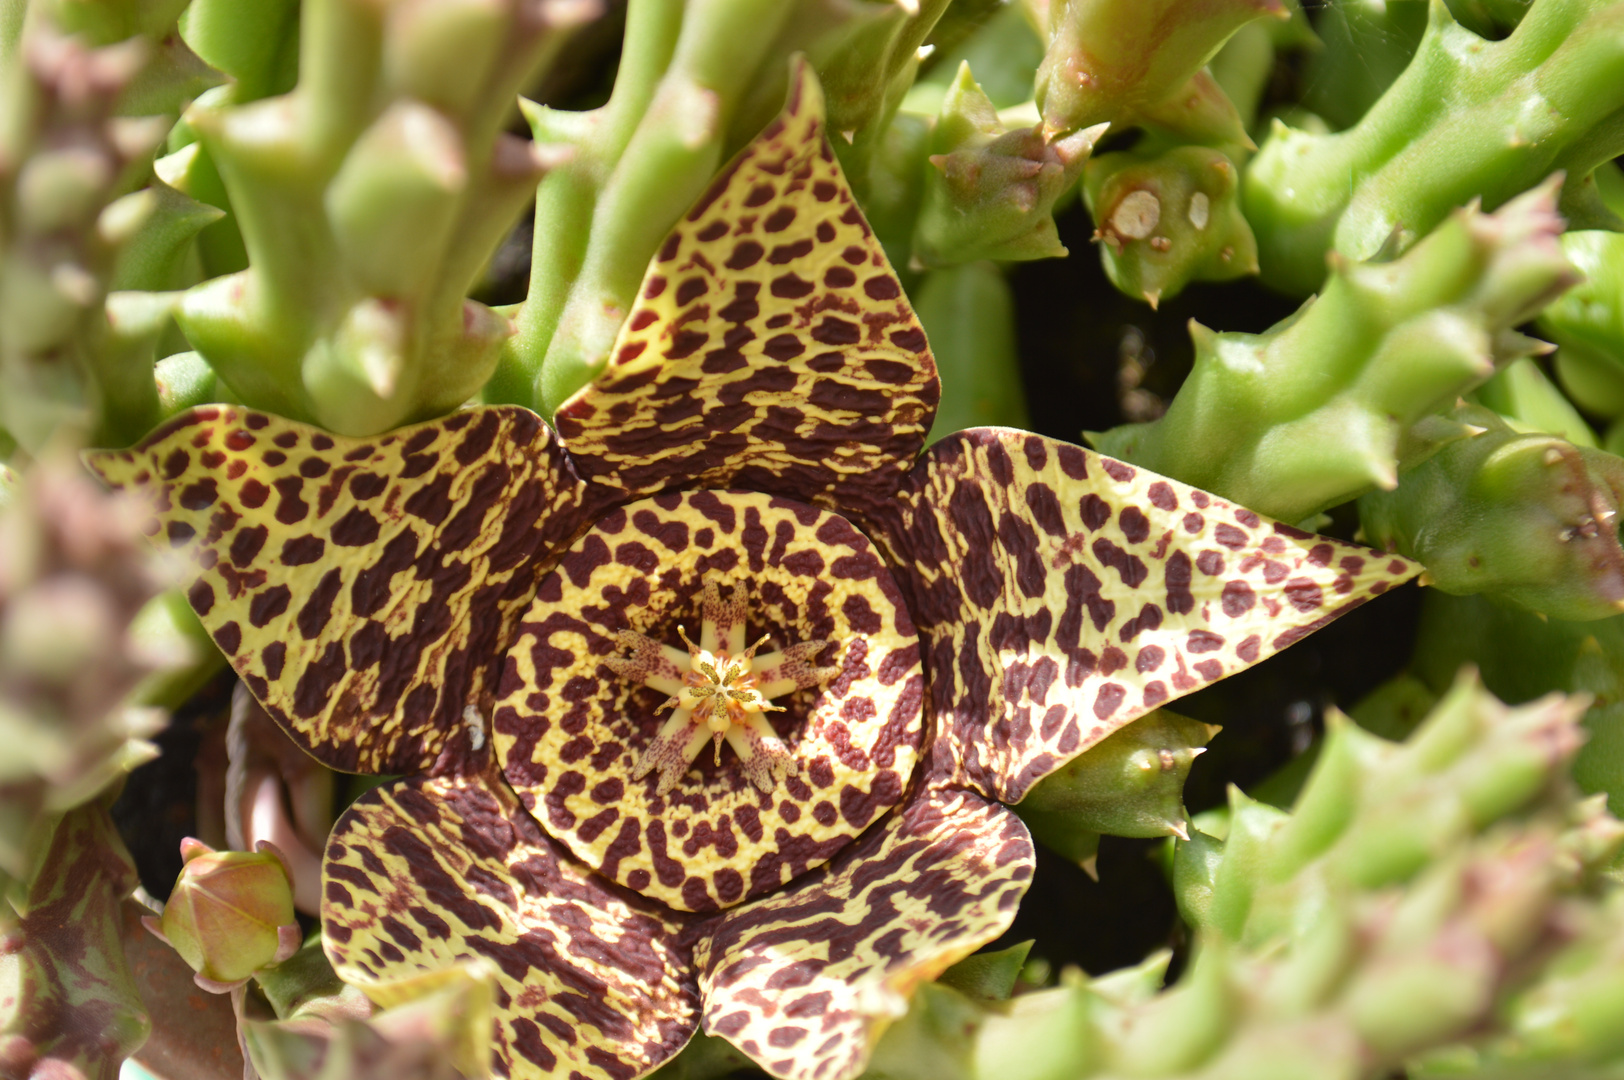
1529	518
1131	783
988	976
230	914
990	193
1166	219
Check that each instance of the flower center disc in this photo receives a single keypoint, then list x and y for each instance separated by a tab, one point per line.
577	747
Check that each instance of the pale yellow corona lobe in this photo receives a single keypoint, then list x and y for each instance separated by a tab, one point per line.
718	692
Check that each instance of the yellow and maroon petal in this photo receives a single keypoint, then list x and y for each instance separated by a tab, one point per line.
1060	594
771	346
569	730
362	588
806	980
426	872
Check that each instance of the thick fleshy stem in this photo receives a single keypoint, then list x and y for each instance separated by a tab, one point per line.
1523	655
74	574
1325	405
1412	891
636	164
1587	323
1530	518
969	314
1166	217
1128	62
369	198
71	155
1468	119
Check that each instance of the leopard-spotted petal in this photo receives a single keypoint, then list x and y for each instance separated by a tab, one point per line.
805	980
771	347
362	588
426	872
1060	594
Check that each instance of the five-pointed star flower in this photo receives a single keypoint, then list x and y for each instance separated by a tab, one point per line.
471	603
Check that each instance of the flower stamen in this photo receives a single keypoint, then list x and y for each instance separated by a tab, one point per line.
719	690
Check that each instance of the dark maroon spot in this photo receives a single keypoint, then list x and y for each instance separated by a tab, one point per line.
833	331
1135	525
1238	599
882	287
690	290
714	231
746	253
1229	536
1247	518
287	440
788	253
1201	641
792	286
1095	511
839	277
1193	522
364	486
302	550
854	255
245	546
1119	472
823	191
779	219
253	494
270	604
239	440
1108	699
312	467
656	284
1320	554
1210	563
256	420
783	347
274	656
229	638
1303	594
355	529
176	463
760	195
1149	659
1248	649
290	508
669	249
1162	497
912	339
201	597
199	495
630	352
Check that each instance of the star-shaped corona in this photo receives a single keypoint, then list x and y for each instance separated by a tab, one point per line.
719	690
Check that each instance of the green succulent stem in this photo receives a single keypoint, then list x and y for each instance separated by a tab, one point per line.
1325	405
638	163
1468	119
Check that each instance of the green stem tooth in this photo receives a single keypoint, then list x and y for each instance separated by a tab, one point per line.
1316	410
1468	119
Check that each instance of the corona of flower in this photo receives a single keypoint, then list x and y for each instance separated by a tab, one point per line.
502	614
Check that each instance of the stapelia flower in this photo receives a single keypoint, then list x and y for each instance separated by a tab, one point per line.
502	614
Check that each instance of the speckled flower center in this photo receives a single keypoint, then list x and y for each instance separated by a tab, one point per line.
719	690
608	705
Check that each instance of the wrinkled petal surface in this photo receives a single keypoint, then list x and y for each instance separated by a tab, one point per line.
771	347
1060	595
362	588
804	981
568	730
422	873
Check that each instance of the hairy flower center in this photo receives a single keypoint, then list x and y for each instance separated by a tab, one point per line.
719	690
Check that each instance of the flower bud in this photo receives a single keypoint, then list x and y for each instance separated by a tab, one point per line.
231	913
